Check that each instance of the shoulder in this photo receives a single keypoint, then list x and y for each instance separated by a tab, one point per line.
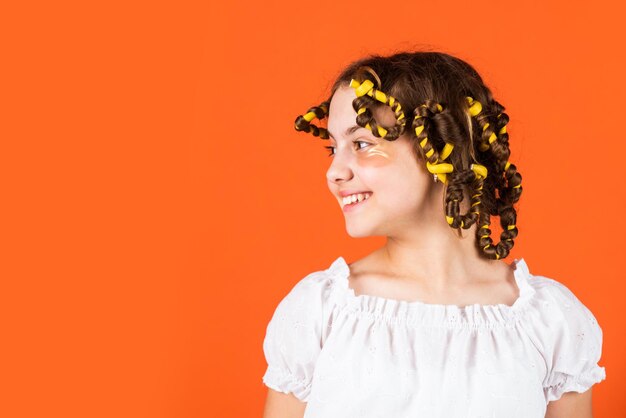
569	336
555	297
306	306
310	290
296	333
563	312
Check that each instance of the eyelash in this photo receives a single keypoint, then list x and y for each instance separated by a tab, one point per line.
354	142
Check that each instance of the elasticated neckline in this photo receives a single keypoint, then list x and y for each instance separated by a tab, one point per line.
417	312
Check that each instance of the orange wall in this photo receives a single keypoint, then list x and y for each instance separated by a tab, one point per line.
157	202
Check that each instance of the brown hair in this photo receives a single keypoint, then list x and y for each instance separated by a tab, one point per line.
434	90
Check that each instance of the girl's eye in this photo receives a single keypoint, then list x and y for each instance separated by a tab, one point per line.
361	142
332	149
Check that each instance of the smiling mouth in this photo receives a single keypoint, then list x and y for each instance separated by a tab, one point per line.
348	203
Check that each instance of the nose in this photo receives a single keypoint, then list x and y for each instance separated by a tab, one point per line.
340	169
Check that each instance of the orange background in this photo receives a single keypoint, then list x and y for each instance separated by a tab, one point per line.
157	203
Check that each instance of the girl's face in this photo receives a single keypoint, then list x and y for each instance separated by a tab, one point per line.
403	194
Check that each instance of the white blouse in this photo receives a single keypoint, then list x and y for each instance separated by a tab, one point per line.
372	357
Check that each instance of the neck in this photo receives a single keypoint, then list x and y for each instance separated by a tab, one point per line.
436	256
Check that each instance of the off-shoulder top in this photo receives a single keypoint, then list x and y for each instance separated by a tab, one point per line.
365	356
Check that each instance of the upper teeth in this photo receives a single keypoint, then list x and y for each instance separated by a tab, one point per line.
354	197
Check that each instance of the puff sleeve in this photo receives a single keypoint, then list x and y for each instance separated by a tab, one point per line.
293	338
576	345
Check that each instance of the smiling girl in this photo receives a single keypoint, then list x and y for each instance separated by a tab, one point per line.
434	323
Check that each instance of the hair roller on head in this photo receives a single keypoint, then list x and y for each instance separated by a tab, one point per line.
303	122
474	177
434	160
367	95
360	75
495	139
475	108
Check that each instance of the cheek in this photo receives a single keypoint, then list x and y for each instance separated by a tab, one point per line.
377	155
393	160
392	173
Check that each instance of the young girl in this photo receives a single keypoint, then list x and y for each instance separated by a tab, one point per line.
435	323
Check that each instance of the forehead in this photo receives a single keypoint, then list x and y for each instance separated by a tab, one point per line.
340	109
341	114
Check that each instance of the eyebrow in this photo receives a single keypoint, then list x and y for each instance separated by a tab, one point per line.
348	131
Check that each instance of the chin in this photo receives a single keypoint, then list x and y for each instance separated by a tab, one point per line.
359	231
